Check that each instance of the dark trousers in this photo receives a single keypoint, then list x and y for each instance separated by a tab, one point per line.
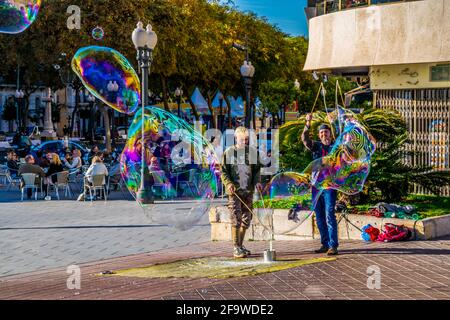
241	216
326	217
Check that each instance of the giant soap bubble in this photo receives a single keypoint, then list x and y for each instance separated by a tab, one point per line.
182	167
17	15
345	169
99	68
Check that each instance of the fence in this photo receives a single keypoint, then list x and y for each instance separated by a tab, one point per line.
330	6
427	115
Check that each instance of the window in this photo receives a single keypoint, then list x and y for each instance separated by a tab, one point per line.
440	72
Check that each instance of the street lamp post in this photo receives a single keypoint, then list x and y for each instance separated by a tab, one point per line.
297	93
178	94
144	41
221	122
19	114
91	101
113	88
247	73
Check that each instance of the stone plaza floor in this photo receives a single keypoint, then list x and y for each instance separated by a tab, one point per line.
39	240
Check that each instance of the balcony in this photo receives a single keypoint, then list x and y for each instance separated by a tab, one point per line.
330	6
404	32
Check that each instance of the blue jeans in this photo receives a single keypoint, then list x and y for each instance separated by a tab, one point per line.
326	218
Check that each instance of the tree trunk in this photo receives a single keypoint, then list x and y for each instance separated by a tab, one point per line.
253	113
211	110
165	93
105	114
91	123
194	109
74	112
227	101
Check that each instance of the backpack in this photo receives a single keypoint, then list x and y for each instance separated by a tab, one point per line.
370	233
394	232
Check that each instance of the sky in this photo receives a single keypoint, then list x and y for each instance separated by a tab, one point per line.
289	15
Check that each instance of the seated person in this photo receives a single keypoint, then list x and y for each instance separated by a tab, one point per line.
75	161
12	162
54	167
114	174
97	168
30	167
41	160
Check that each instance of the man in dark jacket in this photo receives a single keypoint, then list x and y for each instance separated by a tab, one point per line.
30	167
240	176
325	207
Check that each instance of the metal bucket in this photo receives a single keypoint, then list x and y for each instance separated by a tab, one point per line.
270	255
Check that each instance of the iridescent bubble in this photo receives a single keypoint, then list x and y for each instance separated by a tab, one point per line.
345	168
182	166
109	76
17	15
98	33
286	184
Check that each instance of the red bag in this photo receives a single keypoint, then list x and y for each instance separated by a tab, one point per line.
394	232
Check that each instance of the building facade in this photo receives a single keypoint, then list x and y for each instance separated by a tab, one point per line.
403	49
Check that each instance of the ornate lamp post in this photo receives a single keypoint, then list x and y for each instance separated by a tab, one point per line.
247	73
113	88
178	95
144	41
91	101
297	93
19	95
221	116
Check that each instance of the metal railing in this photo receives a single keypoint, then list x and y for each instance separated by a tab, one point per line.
330	6
427	115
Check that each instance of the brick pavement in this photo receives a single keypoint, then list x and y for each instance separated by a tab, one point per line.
38	235
409	270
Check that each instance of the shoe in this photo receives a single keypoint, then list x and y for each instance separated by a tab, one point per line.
238	253
246	251
322	249
332	252
81	197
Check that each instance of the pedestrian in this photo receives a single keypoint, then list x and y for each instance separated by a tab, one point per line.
240	176
325	207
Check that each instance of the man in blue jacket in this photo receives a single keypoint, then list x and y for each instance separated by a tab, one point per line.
325	207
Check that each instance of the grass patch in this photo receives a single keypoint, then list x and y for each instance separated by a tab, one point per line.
285	203
427	205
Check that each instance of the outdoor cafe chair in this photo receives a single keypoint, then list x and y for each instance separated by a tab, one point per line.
160	181
62	181
119	184
4	174
97	184
12	178
29	182
187	178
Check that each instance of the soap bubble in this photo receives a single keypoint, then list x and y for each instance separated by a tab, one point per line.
182	165
17	15
286	184
345	169
98	33
109	76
